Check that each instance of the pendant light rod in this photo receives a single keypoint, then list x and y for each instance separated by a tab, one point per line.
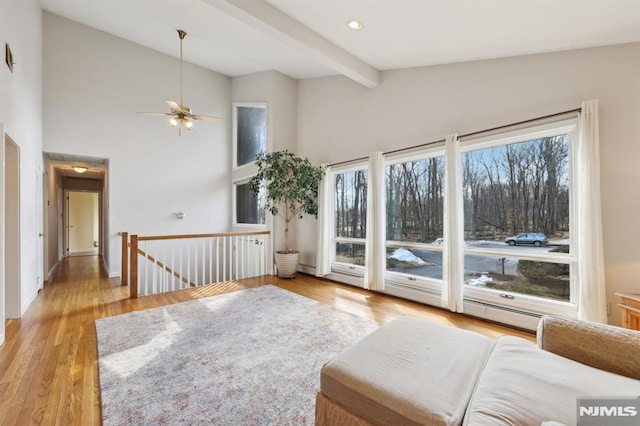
182	34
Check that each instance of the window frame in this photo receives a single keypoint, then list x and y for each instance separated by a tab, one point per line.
341	267
234	219
521	301
250	166
404	279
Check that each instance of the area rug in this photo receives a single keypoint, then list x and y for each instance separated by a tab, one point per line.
250	357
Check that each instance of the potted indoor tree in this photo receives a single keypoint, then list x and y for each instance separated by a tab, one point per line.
291	191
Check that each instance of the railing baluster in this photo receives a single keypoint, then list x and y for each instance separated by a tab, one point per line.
189	264
195	268
180	250
146	267
235	256
154	251
133	268
258	242
124	267
217	259
165	275
170	276
211	260
204	262
203	267
224	258
240	259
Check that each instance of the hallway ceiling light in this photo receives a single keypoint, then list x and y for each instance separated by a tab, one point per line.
80	169
181	115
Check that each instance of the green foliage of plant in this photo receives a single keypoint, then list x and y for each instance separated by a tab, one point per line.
392	262
541	270
291	185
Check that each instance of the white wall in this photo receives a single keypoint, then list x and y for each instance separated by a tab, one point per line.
93	85
21	116
341	120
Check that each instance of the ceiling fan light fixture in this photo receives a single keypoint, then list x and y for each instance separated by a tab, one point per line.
180	115
80	169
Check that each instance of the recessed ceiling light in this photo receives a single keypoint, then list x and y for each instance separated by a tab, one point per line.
354	25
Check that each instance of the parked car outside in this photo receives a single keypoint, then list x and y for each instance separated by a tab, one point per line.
535	239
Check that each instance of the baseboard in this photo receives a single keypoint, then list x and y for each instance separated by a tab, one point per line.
24	307
52	270
84	251
307	269
114	274
2	335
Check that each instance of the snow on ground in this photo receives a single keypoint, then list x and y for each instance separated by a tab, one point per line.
480	282
404	255
480	243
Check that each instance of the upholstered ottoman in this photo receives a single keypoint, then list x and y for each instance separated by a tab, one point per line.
408	372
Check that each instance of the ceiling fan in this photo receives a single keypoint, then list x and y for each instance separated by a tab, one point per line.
181	115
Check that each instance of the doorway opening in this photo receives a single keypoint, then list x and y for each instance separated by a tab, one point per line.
82	183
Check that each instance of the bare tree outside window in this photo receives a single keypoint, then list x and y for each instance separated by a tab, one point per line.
350	216
518	194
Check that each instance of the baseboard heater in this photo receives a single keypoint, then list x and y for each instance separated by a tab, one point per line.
502	314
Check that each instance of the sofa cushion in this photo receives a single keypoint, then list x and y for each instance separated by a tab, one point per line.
408	372
523	385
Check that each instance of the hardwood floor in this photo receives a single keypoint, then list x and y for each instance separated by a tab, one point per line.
48	364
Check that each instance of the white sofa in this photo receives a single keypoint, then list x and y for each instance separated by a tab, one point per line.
414	372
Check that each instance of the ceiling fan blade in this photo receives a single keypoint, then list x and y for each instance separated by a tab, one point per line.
177	107
207	118
154	113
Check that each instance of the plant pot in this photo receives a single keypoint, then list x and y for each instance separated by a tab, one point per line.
287	263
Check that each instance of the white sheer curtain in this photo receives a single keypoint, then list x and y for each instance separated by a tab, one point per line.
375	255
592	292
453	256
325	210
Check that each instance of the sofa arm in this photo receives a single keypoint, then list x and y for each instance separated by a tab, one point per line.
602	346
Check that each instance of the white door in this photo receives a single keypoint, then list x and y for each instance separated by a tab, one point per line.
83	214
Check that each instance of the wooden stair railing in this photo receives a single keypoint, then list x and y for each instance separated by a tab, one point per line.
234	259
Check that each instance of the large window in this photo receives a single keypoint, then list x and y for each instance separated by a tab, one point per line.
350	220
249	139
250	132
507	241
517	201
249	209
415	214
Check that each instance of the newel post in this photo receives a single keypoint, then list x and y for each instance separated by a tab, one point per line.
133	268
124	272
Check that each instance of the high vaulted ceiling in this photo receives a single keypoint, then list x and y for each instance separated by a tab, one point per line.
309	38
